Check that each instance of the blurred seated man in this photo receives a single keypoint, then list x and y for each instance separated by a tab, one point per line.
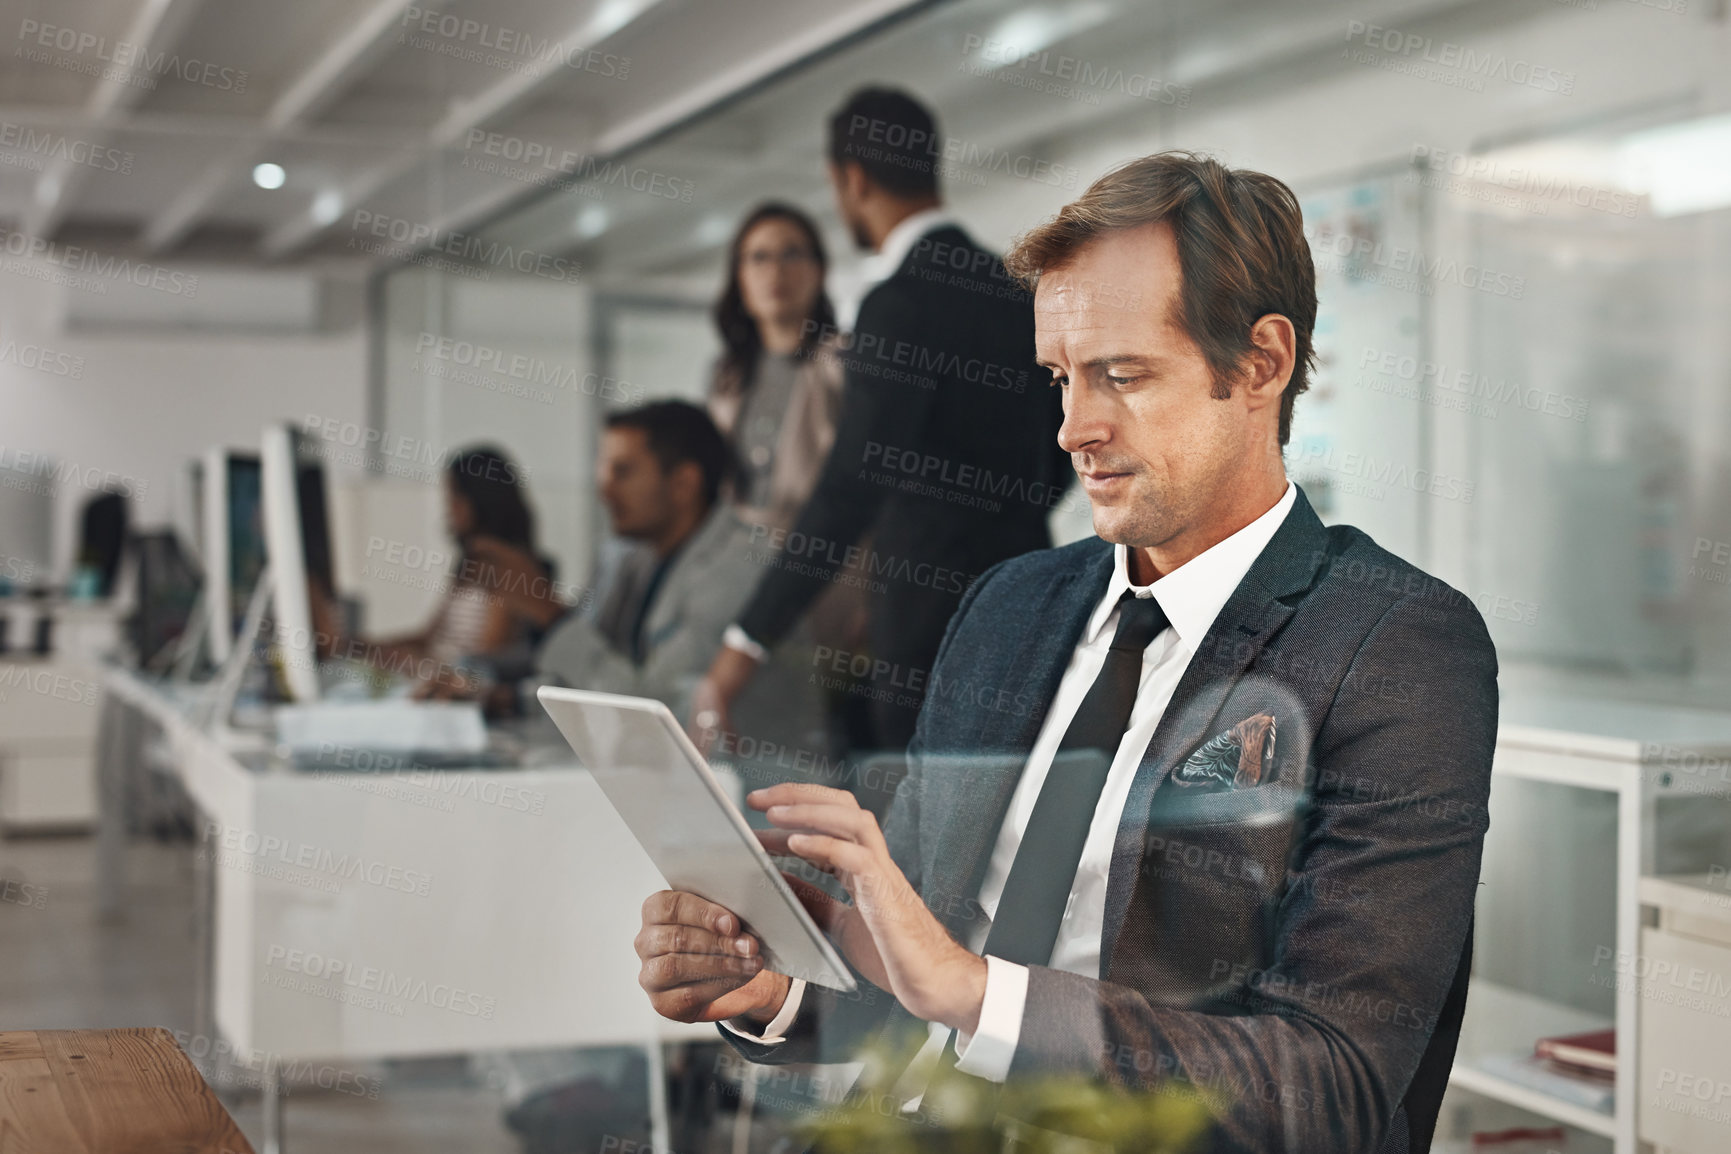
688	574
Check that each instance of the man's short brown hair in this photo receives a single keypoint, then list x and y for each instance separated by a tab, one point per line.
1241	253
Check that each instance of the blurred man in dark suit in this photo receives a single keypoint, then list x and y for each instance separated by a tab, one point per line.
945	456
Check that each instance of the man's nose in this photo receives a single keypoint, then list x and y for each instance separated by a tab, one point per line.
1085	424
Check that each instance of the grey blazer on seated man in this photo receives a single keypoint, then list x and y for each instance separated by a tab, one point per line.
778	720
1289	907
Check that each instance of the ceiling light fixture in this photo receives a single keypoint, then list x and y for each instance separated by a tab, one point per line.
1024	34
592	221
268	175
713	229
1683	167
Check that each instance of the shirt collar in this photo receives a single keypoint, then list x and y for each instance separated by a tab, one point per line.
900	241
1193	594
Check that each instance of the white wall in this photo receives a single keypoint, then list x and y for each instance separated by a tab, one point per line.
141	404
504	362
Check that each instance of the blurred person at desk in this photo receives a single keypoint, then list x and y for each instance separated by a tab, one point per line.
658	621
499	599
945	449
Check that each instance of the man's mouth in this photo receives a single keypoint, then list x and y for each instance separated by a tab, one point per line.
1102	473
1101	480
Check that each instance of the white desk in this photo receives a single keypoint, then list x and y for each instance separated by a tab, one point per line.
467	909
533	913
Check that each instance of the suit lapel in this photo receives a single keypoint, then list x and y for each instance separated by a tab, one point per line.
980	784
697	558
1257	610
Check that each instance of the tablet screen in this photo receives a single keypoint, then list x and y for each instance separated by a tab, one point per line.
667	795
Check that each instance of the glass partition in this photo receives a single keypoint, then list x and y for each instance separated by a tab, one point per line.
1520	384
1523	379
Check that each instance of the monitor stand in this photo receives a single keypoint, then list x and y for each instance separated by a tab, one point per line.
192	644
219	706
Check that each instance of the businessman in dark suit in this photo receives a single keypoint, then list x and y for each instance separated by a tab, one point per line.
1200	801
945	453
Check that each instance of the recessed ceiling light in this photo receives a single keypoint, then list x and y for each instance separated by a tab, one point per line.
327	206
268	175
1683	168
713	229
613	15
1027	32
592	221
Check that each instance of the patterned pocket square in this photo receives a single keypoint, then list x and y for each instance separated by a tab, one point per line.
1239	757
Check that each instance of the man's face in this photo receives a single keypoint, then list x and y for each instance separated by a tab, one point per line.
639	496
1155	451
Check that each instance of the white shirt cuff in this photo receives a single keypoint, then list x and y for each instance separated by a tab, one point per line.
776	1032
988	1052
736	638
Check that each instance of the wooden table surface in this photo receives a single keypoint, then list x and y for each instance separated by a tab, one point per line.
107	1092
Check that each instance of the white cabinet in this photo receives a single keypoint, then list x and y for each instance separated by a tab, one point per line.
1684	977
48	718
1590	800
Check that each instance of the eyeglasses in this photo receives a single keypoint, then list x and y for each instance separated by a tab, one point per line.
763	258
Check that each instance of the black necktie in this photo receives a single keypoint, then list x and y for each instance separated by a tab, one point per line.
1035	893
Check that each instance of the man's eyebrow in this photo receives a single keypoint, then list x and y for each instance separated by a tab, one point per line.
1107	361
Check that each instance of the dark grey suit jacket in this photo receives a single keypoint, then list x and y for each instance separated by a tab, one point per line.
1294	936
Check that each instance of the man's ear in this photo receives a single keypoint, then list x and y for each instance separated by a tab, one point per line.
685	480
1266	369
849	180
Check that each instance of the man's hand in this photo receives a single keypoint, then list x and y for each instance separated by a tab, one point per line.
699	967
888	933
712	700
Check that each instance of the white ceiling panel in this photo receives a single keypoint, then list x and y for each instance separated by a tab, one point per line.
446	111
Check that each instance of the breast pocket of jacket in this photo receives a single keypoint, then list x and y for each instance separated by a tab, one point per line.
1212	871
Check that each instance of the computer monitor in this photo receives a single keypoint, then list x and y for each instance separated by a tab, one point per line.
166	587
298	542
102	531
232	533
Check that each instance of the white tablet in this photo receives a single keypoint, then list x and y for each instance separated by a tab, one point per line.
641	758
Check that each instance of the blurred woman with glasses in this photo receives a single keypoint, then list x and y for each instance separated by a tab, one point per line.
776	394
776	390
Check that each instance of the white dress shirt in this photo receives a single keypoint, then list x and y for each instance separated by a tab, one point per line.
1191	596
899	241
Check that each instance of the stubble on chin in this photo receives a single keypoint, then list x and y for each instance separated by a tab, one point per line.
1125	524
1139	521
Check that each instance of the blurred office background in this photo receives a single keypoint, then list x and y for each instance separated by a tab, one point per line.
1520	210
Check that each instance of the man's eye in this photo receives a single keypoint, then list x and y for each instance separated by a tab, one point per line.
1059	382
1122	380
